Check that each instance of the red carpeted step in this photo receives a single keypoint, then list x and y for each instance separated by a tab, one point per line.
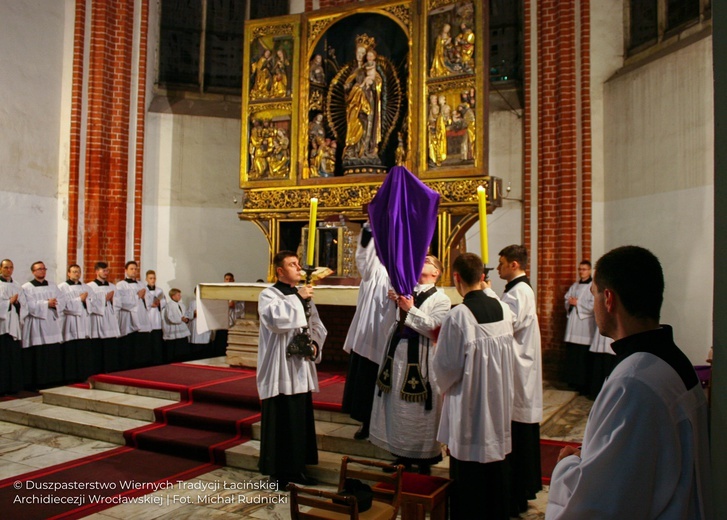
209	416
191	443
240	392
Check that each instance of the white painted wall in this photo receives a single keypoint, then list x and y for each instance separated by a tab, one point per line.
32	129
659	181
606	59
505	225
191	231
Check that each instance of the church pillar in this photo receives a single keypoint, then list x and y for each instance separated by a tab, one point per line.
557	171
107	132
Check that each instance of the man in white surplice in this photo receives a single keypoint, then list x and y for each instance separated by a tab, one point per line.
13	310
527	409
366	338
473	368
76	348
645	450
42	335
579	329
405	415
286	382
131	302
104	325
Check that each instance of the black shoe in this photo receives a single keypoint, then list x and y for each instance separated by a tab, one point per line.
425	469
362	433
303	479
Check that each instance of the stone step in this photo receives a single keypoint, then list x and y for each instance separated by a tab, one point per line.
104	401
246	456
136	390
338	438
82	423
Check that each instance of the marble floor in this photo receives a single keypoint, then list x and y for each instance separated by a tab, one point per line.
223	493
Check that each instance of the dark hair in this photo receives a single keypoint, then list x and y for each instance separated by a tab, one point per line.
32	266
516	253
280	258
230	275
635	274
71	267
151	271
6	260
469	267
130	262
100	265
586	262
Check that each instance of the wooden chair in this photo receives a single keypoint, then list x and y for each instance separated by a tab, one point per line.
385	505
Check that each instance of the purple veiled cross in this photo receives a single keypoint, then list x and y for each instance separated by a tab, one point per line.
403	215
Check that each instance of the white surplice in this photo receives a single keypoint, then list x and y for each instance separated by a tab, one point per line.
194	336
74	318
131	310
10	318
645	450
473	369
581	321
601	344
172	325
403	428
155	313
103	322
528	403
375	313
281	318
42	325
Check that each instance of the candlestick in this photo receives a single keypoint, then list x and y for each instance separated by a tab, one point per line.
312	231
482	205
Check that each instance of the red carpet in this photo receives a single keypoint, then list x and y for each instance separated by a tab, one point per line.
94	483
549	451
218	408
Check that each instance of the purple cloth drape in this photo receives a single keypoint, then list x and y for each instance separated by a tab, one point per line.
403	216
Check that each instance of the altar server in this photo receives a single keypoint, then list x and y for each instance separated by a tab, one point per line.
104	324
13	310
42	335
645	450
473	368
174	326
579	329
366	338
285	382
405	416
528	404
131	302
155	355
77	353
200	344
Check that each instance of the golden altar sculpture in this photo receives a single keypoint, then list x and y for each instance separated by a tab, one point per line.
332	99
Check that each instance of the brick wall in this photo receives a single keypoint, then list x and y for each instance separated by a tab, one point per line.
108	140
561	128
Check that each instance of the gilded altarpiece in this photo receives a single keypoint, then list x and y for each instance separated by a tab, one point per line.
332	99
